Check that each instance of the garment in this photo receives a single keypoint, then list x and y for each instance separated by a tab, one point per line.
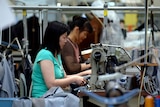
25	67
69	58
38	84
8	90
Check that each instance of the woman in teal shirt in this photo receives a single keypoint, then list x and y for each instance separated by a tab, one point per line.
47	69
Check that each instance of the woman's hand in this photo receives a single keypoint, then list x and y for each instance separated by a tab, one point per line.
80	80
84	73
87	72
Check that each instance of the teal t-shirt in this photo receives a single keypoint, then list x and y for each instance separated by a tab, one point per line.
38	84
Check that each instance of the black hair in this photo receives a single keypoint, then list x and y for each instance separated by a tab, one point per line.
52	34
80	22
122	21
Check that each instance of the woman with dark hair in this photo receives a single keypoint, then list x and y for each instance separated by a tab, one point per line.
47	69
79	29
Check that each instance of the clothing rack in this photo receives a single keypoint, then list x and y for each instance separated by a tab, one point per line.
25	40
61	9
83	8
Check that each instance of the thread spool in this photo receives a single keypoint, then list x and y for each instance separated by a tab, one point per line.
149	101
157	101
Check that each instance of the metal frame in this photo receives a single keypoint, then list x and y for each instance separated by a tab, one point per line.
82	8
62	9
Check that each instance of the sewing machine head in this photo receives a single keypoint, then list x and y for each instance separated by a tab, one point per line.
98	62
103	62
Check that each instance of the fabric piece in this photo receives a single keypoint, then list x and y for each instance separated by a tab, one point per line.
56	97
38	102
26	102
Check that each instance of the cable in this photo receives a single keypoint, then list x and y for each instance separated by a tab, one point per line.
141	86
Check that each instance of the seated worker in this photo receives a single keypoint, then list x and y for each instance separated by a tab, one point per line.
124	31
47	69
79	29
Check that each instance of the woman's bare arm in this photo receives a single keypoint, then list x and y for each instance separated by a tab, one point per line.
47	68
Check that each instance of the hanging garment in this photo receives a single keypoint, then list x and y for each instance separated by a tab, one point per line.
25	67
8	88
1	75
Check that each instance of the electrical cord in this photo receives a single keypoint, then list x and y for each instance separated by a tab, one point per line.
141	86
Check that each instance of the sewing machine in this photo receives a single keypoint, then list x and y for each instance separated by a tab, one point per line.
103	80
99	74
102	67
104	59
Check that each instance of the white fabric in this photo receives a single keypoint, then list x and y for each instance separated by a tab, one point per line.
8	19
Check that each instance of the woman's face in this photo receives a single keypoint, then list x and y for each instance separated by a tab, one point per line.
82	36
62	40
